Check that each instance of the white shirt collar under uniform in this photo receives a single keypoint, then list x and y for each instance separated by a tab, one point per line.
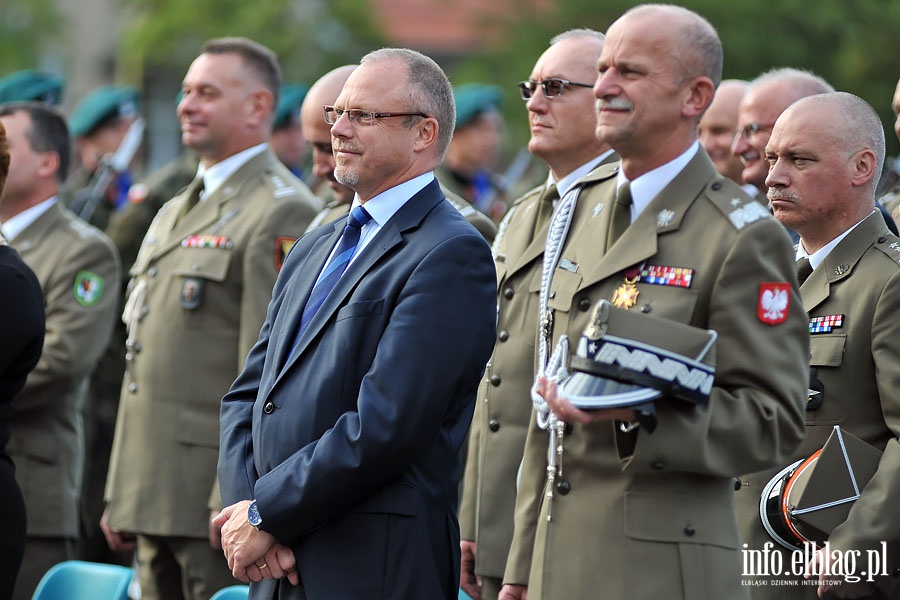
818	257
17	224
215	176
646	187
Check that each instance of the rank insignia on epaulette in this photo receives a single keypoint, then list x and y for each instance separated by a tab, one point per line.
750	212
88	288
283	245
207	241
825	323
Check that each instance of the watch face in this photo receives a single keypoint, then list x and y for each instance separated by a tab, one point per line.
253	515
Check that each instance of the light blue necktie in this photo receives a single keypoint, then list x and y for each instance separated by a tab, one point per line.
335	268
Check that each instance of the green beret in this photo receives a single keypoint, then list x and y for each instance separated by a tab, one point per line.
290	99
100	105
472	99
28	85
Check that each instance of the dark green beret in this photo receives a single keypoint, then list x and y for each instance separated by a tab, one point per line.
472	99
290	99
101	105
28	85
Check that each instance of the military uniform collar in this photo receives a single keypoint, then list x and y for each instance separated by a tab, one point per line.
13	226
219	173
818	257
646	187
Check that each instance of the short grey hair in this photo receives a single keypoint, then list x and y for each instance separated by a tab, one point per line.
803	82
429	90
577	33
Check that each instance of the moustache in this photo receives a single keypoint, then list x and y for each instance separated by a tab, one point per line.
781	194
613	104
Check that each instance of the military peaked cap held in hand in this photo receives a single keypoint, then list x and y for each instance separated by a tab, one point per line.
290	99
28	85
100	105
472	99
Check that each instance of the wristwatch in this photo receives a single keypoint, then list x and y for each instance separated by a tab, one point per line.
253	515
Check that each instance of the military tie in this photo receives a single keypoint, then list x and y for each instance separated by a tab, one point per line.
621	215
195	189
545	208
804	269
336	267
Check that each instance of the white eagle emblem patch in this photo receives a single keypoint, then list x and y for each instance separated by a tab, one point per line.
774	299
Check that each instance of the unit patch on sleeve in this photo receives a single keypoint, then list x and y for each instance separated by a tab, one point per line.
88	288
774	299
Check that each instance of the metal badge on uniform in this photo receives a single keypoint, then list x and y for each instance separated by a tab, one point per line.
191	293
88	288
283	245
841	269
774	301
825	323
664	218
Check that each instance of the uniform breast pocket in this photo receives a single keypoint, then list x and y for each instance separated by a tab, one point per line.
565	285
195	270
829	391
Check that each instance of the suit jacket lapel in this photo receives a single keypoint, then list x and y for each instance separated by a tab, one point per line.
390	235
841	261
662	215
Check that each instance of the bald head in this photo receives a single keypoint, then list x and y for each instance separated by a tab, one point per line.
768	96
717	127
318	132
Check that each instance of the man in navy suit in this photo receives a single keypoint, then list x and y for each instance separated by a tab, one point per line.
340	440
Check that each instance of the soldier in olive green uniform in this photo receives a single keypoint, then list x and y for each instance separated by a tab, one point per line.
79	272
197	299
617	503
852	297
565	141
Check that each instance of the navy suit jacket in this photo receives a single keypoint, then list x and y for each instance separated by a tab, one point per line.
350	445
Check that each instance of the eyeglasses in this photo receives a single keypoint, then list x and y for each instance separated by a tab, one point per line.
363	117
752	129
552	87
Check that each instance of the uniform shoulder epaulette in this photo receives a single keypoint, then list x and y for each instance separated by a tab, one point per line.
280	185
536	191
889	244
464	208
601	173
739	208
82	230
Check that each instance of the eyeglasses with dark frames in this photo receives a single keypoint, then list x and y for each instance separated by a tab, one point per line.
552	87
363	117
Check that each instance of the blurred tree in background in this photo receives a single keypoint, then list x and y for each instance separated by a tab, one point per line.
851	44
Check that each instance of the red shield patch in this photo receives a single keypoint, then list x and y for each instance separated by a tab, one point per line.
774	300
283	245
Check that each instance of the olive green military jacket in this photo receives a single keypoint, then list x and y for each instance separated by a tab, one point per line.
503	409
857	364
649	515
78	269
197	300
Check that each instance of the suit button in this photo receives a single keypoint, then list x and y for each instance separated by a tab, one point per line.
645	308
896	572
494	425
152	271
137	347
564	487
269	407
689	530
132	387
495	380
882	240
508	293
584	304
738	484
503	335
658	465
717	186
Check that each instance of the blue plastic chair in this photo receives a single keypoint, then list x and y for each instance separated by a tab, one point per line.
234	592
80	580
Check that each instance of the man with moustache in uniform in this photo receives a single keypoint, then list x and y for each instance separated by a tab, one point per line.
632	504
560	110
78	269
197	299
824	157
717	130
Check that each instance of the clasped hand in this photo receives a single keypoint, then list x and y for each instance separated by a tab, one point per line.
253	555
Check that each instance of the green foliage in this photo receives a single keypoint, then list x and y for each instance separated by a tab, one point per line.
27	27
